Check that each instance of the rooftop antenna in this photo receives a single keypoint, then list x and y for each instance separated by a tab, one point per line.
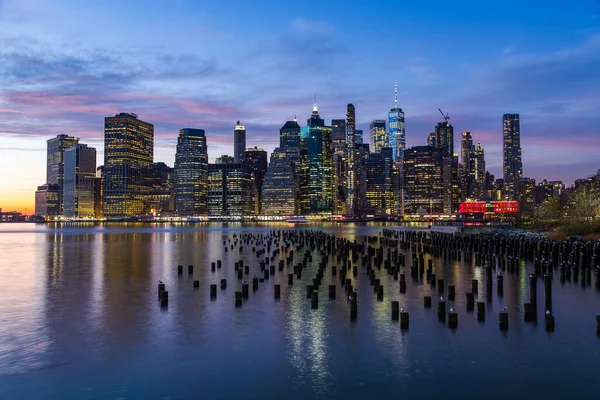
396	94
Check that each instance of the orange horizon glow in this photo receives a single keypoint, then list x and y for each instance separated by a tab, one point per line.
23	204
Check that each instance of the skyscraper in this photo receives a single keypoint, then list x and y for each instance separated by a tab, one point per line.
396	131
46	200
466	147
279	190
423	181
444	138
340	165
230	189
55	164
316	179
480	167
239	142
128	156
289	140
379	194
162	195
257	161
359	139
80	174
191	173
511	150
350	159
379	136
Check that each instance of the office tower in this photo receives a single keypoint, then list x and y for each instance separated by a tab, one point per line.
55	166
361	156
511	150
80	173
359	137
444	138
230	189
46	200
128	156
527	196
239	142
379	136
257	160
423	181
378	172
466	147
350	159
191	173
98	195
396	131
162	195
289	140
316	170
340	165
279	189
480	165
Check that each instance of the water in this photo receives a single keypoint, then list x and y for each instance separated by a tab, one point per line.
79	319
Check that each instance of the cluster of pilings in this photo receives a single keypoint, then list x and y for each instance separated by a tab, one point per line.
394	251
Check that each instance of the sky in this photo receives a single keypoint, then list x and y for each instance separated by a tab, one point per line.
65	65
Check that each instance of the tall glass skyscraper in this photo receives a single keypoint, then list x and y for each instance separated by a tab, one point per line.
191	173
289	140
279	190
79	188
128	156
257	161
55	163
239	142
350	159
316	169
379	136
511	150
396	129
444	138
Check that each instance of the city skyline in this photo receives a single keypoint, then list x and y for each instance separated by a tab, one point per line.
56	85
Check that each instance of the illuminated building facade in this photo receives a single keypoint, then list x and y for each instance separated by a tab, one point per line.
191	173
379	172
239	142
379	136
230	190
351	137
396	131
128	156
423	181
46	200
511	151
257	161
361	156
340	165
316	169
289	140
55	164
79	182
279	190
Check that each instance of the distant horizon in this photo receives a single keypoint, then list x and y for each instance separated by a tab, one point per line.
63	72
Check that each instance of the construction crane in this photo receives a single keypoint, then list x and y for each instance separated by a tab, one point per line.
446	116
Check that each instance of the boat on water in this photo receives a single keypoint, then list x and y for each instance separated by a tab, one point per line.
296	220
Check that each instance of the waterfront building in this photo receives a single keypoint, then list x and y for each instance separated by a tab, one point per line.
79	182
423	181
191	173
378	173
47	200
351	140
511	151
444	138
55	165
128	156
361	156
340	165
257	161
316	169
379	136
239	142
279	189
396	130
161	198
230	189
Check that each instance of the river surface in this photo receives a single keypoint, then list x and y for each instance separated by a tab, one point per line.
79	319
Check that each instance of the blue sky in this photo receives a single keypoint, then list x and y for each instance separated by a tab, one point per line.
66	65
